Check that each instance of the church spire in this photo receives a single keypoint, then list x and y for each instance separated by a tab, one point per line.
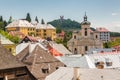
85	17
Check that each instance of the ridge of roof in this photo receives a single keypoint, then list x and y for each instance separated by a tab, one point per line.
7	60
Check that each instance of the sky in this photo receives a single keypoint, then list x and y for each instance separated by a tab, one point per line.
101	13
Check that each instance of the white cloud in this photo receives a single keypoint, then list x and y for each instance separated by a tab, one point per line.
114	26
114	14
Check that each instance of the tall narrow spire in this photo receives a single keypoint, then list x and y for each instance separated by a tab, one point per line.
85	17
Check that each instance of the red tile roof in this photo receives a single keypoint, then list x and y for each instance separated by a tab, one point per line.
17	33
102	29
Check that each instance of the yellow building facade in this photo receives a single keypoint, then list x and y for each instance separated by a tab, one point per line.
10	46
23	26
39	30
46	31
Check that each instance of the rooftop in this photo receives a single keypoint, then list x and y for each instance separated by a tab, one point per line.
102	29
7	60
20	23
84	74
45	26
5	40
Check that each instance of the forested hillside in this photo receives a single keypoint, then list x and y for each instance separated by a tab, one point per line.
65	24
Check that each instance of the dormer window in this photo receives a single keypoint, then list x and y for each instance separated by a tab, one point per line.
45	70
108	62
99	64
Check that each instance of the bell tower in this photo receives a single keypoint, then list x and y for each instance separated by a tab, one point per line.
85	27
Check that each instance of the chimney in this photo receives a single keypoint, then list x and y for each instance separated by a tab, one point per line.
76	73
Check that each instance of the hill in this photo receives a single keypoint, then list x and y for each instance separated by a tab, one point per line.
65	24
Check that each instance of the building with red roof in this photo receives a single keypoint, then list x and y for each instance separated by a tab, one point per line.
29	39
104	34
17	33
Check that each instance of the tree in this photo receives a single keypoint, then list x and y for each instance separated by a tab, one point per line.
36	19
28	18
42	21
66	24
14	39
1	19
1	25
5	24
58	30
10	20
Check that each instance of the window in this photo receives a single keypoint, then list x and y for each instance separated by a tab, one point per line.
75	51
44	30
57	67
108	62
86	48
37	30
44	34
86	29
75	37
96	36
85	33
10	49
45	70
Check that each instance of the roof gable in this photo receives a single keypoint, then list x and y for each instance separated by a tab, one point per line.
7	60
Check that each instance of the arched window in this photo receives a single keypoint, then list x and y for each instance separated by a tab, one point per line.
86	48
75	51
85	31
74	36
96	36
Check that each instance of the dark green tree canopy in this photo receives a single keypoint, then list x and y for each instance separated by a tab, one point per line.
10	20
28	18
36	19
42	21
66	24
1	18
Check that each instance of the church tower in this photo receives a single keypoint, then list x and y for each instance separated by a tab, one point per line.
85	28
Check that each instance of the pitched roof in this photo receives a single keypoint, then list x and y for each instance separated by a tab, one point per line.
84	74
20	23
102	29
45	26
114	58
41	55
20	48
5	40
76	61
29	38
62	49
37	59
7	60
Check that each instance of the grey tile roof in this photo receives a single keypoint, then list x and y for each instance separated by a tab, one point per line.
94	50
20	23
88	61
37	59
85	74
74	61
7	60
